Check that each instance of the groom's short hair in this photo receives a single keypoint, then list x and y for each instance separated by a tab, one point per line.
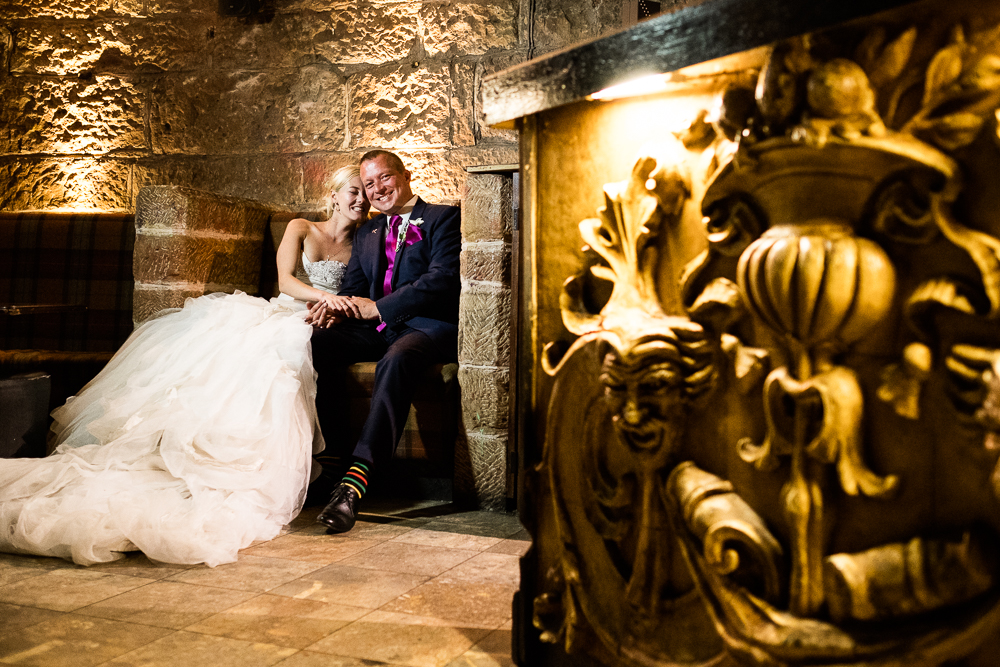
390	157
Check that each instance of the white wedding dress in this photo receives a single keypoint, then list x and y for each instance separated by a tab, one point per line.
194	441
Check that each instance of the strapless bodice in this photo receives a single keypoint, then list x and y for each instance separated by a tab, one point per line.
324	274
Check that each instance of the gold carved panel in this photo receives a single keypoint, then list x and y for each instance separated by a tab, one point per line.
762	352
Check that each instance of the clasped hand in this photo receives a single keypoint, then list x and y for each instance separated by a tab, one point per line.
333	308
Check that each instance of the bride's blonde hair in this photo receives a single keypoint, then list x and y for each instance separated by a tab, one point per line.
339	179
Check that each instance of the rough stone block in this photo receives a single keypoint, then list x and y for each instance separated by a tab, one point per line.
486	66
481	470
93	116
85	184
559	23
187	258
439	175
284	41
316	173
371	34
248	112
469	27
147	300
463	104
484	325
171	209
61	48
6	47
403	107
488	209
83	9
275	179
485	397
487	262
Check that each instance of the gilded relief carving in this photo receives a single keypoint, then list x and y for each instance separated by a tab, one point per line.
802	467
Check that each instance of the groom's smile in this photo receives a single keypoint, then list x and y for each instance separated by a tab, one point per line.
387	185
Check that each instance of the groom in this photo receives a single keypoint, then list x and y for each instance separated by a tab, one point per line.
398	304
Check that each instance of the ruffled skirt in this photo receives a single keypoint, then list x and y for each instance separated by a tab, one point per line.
194	441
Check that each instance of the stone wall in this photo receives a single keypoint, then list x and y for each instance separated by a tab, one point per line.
484	340
101	97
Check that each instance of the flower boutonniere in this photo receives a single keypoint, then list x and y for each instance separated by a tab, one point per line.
404	227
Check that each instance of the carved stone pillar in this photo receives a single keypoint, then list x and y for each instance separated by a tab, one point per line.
759	402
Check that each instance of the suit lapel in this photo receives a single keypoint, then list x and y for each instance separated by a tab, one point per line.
376	254
415	214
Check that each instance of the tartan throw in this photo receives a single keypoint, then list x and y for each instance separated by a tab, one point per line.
67	258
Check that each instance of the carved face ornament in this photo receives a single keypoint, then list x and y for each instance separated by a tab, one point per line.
645	389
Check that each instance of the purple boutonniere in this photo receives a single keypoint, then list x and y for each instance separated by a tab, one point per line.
408	236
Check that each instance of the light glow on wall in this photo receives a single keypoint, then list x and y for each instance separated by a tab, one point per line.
643	85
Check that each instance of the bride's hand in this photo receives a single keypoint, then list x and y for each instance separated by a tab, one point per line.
342	306
320	315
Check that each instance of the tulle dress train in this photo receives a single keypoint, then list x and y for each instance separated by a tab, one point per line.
194	441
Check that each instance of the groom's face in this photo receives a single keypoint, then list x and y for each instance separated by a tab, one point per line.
387	187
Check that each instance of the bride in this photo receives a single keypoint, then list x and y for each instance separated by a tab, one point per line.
197	438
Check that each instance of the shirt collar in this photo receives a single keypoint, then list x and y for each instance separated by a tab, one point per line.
405	212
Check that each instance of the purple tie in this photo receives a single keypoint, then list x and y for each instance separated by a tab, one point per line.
390	256
390	253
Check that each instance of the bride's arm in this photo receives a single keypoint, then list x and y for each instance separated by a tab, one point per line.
289	251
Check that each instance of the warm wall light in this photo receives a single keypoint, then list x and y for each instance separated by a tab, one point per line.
644	85
78	186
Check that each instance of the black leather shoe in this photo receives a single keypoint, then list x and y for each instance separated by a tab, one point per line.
341	512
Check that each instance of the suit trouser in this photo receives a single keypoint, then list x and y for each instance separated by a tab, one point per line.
404	357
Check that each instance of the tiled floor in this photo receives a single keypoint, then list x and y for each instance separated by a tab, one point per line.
421	586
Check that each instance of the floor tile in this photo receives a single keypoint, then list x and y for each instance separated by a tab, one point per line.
474	604
405	507
437	538
136	564
354	586
487	568
503	525
522	534
43	562
510	547
498	641
485	529
14	568
474	658
401	639
14	617
74	640
314	659
366	530
279	620
187	649
167	604
405	558
305	518
249	573
321	549
66	590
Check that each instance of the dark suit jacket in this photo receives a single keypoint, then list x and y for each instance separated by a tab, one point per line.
426	281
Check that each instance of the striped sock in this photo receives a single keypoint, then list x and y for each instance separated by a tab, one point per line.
357	477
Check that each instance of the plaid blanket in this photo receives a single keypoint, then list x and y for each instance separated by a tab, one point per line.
67	258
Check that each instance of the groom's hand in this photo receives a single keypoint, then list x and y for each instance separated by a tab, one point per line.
320	316
342	306
367	310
